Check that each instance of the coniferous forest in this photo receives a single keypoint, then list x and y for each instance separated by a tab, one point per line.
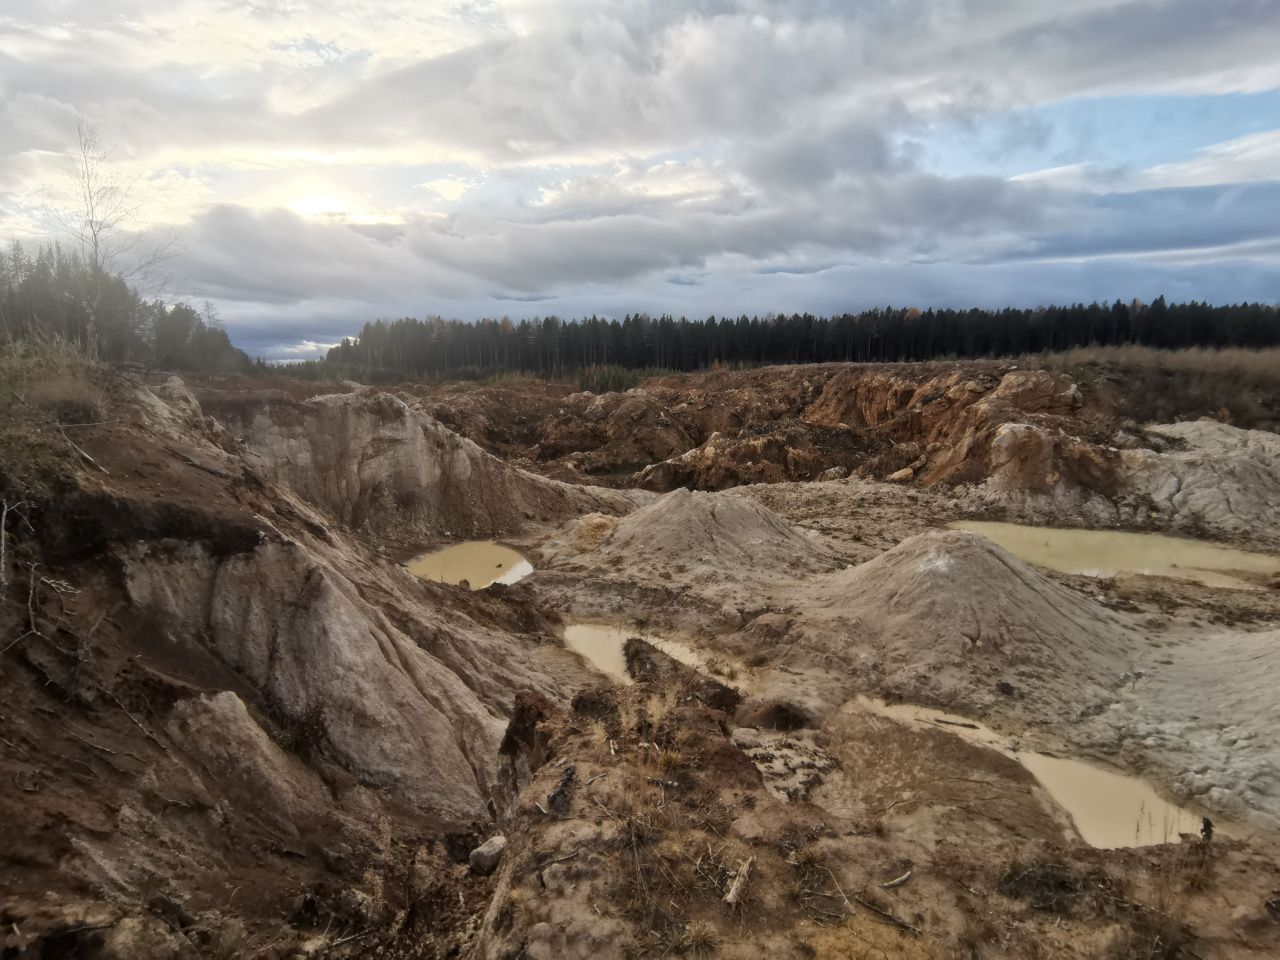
551	346
56	293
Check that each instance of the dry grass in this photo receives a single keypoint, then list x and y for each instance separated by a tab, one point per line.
701	940
1149	929
1256	367
1239	386
48	389
51	375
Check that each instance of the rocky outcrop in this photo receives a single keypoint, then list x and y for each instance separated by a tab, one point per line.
382	466
253	705
1019	431
793	450
292	626
1216	476
613	431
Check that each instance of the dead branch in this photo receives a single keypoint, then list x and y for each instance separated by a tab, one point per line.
141	726
80	452
839	888
955	723
95	746
739	884
5	509
887	916
32	629
896	881
350	939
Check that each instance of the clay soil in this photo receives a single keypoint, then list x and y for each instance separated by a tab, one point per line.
230	726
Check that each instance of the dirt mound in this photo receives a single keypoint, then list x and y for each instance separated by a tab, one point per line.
215	692
382	466
710	536
948	615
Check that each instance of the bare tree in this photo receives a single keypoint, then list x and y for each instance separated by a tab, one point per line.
104	220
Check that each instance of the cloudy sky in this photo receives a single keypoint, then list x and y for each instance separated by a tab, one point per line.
325	162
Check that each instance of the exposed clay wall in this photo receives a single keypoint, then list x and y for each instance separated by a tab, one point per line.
380	465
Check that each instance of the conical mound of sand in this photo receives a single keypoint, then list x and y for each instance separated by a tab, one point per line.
955	608
715	534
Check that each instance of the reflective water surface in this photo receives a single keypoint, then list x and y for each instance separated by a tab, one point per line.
1109	809
602	643
1105	553
479	562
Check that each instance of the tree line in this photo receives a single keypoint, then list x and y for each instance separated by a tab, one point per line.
551	346
55	292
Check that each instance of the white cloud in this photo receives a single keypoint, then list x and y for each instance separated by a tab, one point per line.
450	188
384	156
1246	159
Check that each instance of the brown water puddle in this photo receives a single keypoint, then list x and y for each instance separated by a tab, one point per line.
601	644
1109	809
479	562
1106	553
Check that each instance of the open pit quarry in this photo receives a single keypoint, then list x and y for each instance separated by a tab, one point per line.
811	662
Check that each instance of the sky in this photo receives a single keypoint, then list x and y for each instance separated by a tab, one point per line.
326	162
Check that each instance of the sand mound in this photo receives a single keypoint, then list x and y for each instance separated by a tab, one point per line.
711	536
949	615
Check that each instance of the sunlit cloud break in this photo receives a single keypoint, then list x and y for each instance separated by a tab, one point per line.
327	163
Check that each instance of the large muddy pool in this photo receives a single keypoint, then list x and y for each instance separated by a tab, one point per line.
480	563
1109	809
1106	553
601	644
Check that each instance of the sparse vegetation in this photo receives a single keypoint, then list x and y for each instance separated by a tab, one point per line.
1238	386
47	387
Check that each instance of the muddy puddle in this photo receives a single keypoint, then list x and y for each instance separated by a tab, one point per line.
480	563
1108	808
601	644
1107	553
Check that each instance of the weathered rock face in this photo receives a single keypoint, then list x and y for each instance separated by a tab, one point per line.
1217	476
1016	431
249	696
793	450
613	431
382	466
321	657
